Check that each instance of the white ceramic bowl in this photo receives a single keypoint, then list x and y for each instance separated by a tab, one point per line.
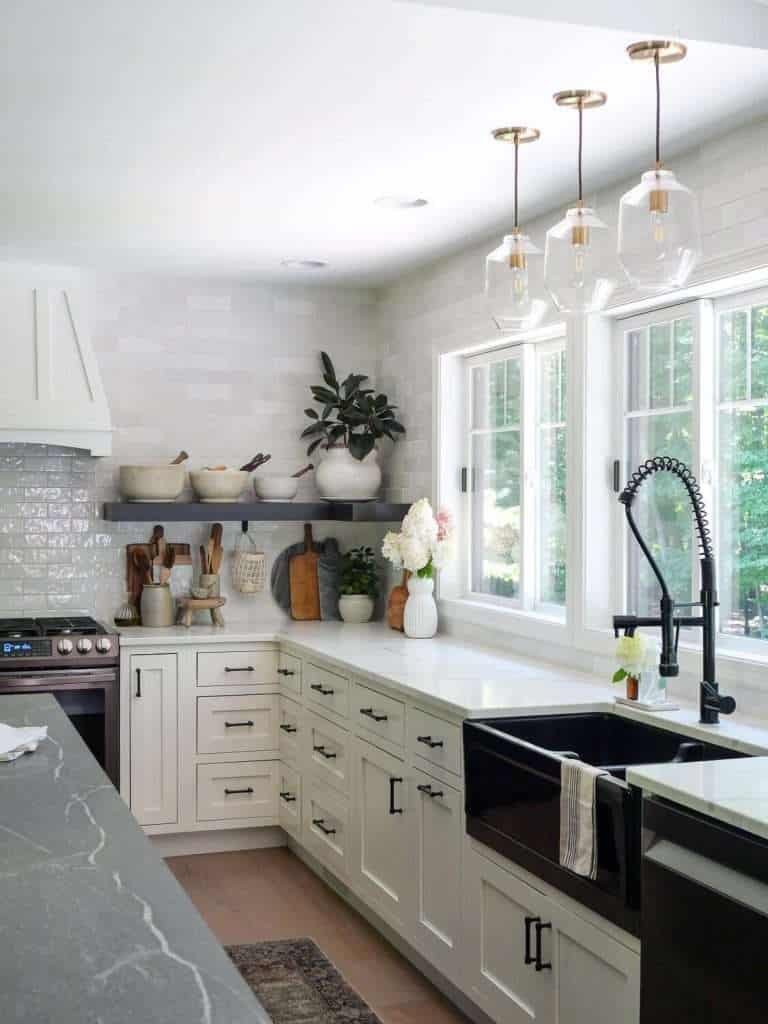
218	484
271	487
151	483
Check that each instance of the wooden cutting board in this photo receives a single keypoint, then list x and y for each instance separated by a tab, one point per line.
304	580
133	580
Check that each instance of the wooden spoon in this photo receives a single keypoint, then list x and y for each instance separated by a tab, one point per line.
143	565
204	567
301	472
181	457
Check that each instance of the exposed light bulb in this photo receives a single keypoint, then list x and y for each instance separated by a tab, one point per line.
657	225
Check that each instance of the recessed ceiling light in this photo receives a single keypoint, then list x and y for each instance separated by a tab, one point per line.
400	202
305	264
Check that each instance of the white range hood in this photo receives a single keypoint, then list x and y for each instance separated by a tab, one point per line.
50	387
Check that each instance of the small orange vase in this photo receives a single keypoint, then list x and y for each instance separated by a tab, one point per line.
633	687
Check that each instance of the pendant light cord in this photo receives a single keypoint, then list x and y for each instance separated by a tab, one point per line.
658	109
517	146
581	140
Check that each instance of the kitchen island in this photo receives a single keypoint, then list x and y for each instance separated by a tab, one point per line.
94	928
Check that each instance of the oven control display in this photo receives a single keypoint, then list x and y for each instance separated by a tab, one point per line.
25	648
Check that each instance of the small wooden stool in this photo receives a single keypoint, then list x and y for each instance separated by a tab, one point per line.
189	605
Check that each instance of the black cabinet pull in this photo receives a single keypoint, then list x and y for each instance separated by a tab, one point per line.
429	742
539	926
138	682
231	792
370	713
288	728
392	808
324	753
234	725
529	959
428	791
320	823
286	672
288	797
319	688
246	668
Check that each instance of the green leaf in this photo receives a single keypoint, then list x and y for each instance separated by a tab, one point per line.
393	425
312	413
618	675
314	428
361	445
329	373
315	444
323	394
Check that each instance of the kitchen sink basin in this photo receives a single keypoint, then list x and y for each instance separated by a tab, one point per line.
610	741
512	770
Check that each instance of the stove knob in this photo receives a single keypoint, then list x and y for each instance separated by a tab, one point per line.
64	646
103	645
84	645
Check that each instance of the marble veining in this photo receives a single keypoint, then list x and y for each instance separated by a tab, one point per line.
95	929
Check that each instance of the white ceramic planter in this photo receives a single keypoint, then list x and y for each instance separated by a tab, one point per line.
340	477
356	607
420	616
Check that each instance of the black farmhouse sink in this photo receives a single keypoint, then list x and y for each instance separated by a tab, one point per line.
512	771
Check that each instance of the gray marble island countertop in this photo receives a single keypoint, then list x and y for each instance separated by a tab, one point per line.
94	929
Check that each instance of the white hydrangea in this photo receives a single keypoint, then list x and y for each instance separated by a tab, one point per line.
390	548
420	522
424	542
414	552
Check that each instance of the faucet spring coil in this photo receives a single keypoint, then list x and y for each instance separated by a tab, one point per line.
667	463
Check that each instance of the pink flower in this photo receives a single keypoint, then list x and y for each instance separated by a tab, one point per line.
444	524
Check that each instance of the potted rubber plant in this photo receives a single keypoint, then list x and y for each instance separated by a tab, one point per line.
350	419
359	585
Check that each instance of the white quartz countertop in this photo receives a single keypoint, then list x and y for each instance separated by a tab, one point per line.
733	791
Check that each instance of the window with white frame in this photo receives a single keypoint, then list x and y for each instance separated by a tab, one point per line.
696	387
516	476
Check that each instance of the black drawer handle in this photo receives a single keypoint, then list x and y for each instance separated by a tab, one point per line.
288	728
319	688
231	792
236	725
288	797
320	823
428	791
529	958
370	713
539	927
392	808
429	742
138	682
246	668
286	672
324	753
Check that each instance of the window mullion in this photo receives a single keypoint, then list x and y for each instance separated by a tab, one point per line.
705	409
528	458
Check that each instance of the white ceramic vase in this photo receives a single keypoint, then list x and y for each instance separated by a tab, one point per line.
341	477
356	607
420	616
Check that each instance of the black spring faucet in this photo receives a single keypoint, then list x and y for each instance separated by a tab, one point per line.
711	703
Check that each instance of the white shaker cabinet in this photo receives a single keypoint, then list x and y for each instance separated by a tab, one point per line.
382	840
154	738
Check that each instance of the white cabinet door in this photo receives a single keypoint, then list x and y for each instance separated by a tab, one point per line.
598	978
500	917
154	738
438	814
383	834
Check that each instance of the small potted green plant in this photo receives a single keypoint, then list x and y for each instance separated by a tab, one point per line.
359	585
351	419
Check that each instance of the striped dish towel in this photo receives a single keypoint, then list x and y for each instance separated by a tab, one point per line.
578	820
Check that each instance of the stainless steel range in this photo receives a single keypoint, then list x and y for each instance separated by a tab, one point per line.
76	659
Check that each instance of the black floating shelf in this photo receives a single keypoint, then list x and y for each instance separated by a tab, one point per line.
253	512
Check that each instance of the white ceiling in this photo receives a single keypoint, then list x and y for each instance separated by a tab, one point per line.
222	138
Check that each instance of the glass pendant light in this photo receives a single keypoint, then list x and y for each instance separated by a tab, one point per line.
507	286
578	250
659	240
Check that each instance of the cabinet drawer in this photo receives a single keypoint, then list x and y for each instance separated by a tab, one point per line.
289	800
227	725
239	790
327	689
327	751
290	728
289	671
256	667
376	713
326	827
435	740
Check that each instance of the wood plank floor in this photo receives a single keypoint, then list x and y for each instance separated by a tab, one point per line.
257	895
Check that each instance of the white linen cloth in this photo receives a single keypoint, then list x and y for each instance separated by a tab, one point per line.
18	740
578	819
